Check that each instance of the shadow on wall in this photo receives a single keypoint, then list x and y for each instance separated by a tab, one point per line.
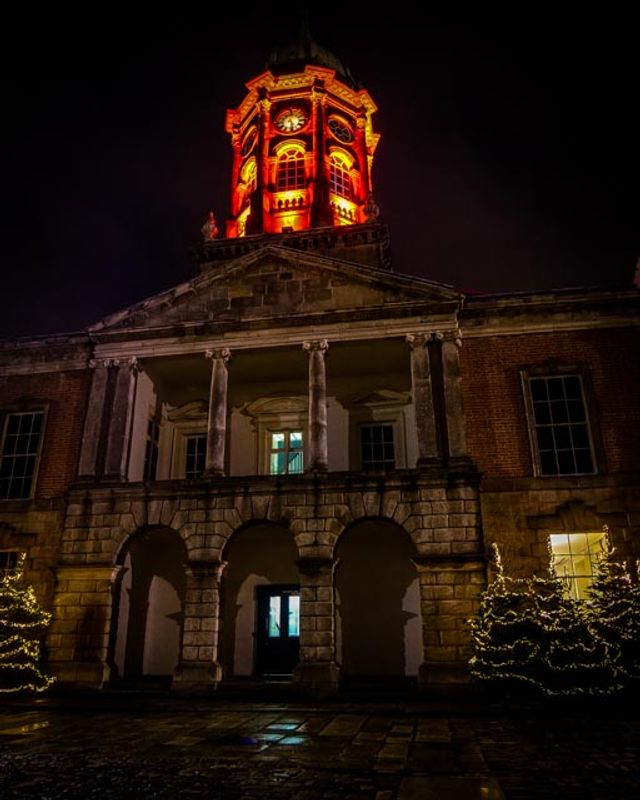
150	610
378	621
261	555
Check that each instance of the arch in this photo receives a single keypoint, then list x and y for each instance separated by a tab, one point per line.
249	175
377	594
258	554
290	167
149	601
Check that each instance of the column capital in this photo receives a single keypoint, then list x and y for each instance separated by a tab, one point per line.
321	345
417	339
221	353
454	336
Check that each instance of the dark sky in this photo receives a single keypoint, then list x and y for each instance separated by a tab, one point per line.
508	161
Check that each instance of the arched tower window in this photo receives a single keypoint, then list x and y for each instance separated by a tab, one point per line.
290	170
249	176
339	176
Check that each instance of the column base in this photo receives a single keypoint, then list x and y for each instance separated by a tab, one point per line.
196	678
443	674
319	679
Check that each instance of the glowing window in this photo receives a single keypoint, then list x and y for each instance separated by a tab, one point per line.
561	428
294	615
250	176
339	177
274	617
19	454
574	559
286	454
290	172
196	456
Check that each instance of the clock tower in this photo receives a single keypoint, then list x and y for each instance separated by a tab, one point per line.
303	146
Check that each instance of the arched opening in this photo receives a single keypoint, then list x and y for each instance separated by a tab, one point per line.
340	175
378	621
290	168
261	603
150	606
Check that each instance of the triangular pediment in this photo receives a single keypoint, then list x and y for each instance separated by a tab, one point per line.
279	282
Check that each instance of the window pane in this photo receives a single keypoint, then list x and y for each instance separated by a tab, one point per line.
196	456
277	463
277	441
564	445
19	453
295	463
273	628
294	615
296	439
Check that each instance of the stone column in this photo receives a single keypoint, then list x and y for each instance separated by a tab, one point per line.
317	672
450	589
198	667
121	420
217	423
422	391
78	637
318	448
457	439
88	466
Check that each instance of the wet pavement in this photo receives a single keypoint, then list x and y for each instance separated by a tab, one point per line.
116	747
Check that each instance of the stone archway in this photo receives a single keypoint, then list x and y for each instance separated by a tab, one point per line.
378	620
150	605
261	565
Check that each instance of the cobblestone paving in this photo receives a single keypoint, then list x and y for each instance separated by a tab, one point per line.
166	749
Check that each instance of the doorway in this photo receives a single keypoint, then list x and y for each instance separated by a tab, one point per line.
278	633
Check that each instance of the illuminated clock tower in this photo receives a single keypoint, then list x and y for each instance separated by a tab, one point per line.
303	146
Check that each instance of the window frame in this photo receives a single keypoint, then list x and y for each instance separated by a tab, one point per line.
29	408
380	407
567	371
591	555
378	424
275	413
287	449
5	569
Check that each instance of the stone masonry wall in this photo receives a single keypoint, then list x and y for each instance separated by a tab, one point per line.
441	517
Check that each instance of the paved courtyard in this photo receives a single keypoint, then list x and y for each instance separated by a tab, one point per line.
116	747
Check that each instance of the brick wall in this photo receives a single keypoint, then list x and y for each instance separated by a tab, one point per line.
65	395
494	404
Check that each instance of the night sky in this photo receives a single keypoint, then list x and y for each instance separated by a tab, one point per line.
508	161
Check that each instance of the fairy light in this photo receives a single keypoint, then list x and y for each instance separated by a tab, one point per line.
22	625
528	633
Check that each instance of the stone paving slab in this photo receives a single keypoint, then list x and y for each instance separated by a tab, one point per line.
253	751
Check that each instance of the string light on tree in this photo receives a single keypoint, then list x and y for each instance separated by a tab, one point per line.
22	625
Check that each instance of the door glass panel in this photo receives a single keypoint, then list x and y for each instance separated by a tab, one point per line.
294	615
274	617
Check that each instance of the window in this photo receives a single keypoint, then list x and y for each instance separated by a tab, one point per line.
20	449
290	172
574	558
196	456
561	438
339	177
286	455
8	562
151	451
250	176
376	447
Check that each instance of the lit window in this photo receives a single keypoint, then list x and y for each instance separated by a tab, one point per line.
196	456
561	430
290	173
151	452
250	176
339	177
8	562
286	453
574	559
20	447
376	447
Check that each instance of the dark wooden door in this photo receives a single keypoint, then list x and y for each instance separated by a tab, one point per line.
278	629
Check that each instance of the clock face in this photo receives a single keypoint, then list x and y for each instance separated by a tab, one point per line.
291	120
340	129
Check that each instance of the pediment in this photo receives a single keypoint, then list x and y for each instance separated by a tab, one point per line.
279	282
